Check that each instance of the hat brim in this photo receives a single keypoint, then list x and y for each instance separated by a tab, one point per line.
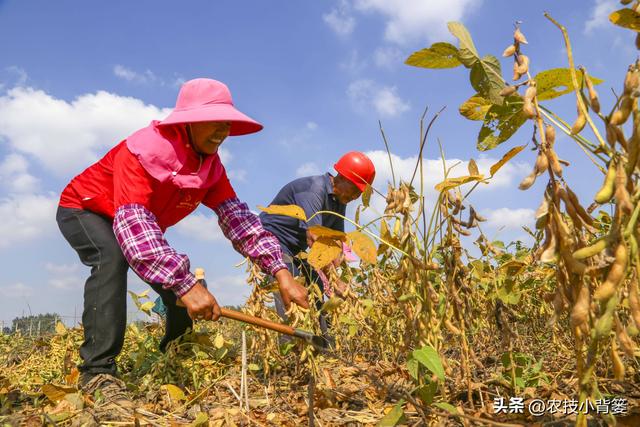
362	185
241	124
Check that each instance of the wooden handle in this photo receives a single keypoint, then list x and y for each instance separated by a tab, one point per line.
258	321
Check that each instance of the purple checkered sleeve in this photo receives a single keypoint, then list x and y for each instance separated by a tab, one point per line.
248	237
148	252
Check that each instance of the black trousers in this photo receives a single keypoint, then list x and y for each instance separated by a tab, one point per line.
104	315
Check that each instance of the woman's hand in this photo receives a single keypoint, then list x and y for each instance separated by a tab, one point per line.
200	303
290	290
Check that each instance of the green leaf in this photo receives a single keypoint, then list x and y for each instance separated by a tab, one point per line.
557	82
475	108
447	407
486	78
430	359
508	295
486	74
439	55
202	420
500	123
393	417
413	367
406	297
626	18
427	393
467	52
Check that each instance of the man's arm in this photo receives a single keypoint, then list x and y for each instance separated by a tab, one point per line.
244	229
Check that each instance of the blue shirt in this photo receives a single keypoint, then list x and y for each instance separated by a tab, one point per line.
312	194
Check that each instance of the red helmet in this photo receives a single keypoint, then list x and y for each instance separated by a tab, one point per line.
357	168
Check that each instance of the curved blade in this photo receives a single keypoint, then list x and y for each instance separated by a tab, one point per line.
318	342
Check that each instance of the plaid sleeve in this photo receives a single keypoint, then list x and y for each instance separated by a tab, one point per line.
148	252
244	229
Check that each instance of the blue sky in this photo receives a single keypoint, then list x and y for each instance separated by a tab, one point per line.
77	77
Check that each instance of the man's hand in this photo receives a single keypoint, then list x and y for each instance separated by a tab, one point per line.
311	238
200	304
340	288
290	290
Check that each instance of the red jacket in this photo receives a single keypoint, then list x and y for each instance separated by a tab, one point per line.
119	179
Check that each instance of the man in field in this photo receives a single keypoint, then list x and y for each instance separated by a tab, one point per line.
316	193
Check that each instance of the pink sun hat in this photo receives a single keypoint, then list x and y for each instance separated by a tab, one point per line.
208	100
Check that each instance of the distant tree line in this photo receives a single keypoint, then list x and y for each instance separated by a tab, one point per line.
37	324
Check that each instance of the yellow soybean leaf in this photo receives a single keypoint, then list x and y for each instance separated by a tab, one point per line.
323	251
626	18
450	183
147	306
363	246
174	392
475	108
332	304
202	420
56	393
294	211
508	156
473	168
60	328
219	341
366	196
321	231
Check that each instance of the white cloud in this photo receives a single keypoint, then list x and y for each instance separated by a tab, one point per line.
388	103
20	73
509	219
14	175
201	227
225	155
65	276
26	217
67	283
387	57
237	175
416	20
353	64
600	14
403	168
133	76
33	122
229	290
16	290
340	19
234	174
225	282
365	94
61	268
300	136
307	169
507	177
